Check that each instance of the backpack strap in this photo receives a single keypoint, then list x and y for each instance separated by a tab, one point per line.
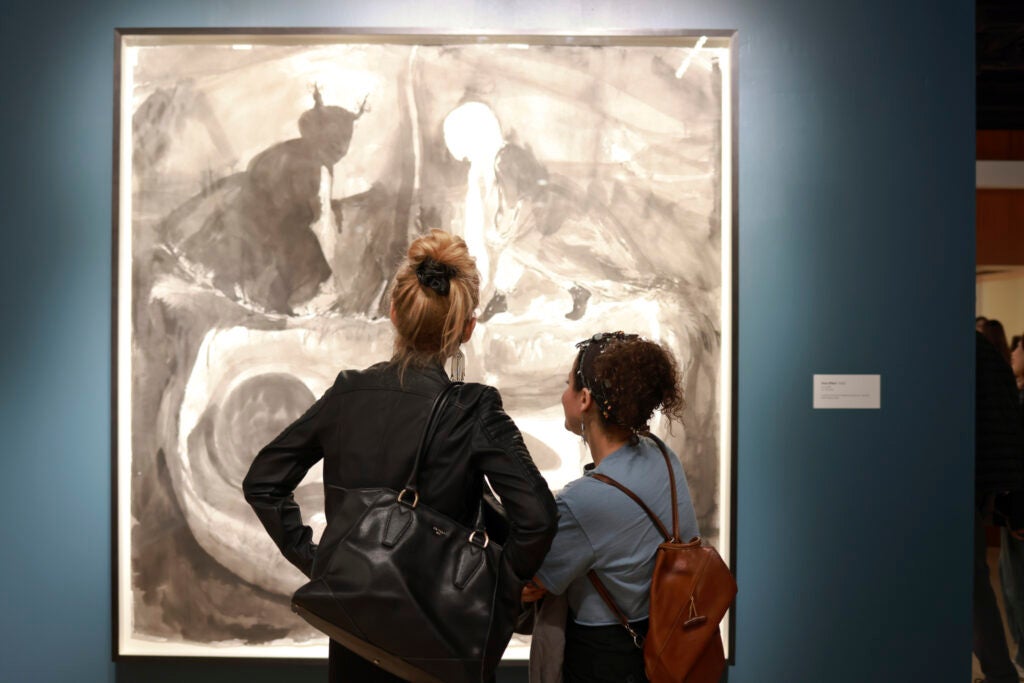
636	499
638	640
671	484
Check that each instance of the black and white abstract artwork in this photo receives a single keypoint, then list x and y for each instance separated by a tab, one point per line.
267	188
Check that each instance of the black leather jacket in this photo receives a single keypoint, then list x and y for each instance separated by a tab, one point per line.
367	429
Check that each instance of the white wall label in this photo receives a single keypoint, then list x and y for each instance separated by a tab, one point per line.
848	391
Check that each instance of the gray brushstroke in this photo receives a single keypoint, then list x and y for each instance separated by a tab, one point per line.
222	242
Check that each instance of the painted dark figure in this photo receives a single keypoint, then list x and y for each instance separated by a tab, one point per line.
260	247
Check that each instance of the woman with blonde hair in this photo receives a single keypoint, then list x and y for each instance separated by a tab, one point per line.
366	429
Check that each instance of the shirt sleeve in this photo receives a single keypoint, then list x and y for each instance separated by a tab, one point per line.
571	554
269	486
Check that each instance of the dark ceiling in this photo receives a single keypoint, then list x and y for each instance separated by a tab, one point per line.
1000	64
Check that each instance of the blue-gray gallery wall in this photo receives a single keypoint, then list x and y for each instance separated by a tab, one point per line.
856	256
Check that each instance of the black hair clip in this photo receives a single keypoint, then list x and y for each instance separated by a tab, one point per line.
435	275
601	338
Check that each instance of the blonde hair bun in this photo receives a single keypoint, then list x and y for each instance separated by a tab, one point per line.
435	293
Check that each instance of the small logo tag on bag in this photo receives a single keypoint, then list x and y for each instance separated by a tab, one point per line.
439	532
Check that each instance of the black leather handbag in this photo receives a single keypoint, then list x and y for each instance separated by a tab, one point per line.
405	586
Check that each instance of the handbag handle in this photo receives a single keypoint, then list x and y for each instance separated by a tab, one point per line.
440	401
428	435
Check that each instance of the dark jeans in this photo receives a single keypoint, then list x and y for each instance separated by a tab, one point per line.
602	654
989	638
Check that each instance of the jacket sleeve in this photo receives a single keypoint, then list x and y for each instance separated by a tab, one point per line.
278	468
528	503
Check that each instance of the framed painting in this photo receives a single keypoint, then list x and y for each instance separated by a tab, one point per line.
267	183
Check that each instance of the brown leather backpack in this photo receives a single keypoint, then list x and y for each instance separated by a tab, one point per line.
691	590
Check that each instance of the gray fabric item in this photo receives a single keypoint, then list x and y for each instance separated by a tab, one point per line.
547	649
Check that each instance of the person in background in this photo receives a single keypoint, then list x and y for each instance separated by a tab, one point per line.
1011	547
615	384
979	323
998	468
996	335
366	429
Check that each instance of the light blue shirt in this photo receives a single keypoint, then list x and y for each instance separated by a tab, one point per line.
601	528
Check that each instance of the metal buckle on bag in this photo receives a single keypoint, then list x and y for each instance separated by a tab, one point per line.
638	639
473	533
415	500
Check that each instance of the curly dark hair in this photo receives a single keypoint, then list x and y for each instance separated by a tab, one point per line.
629	378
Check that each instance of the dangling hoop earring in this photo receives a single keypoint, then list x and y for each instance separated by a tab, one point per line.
583	432
457	366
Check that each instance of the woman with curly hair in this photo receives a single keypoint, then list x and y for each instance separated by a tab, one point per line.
616	383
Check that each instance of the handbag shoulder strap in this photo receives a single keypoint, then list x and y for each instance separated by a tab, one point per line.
440	401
